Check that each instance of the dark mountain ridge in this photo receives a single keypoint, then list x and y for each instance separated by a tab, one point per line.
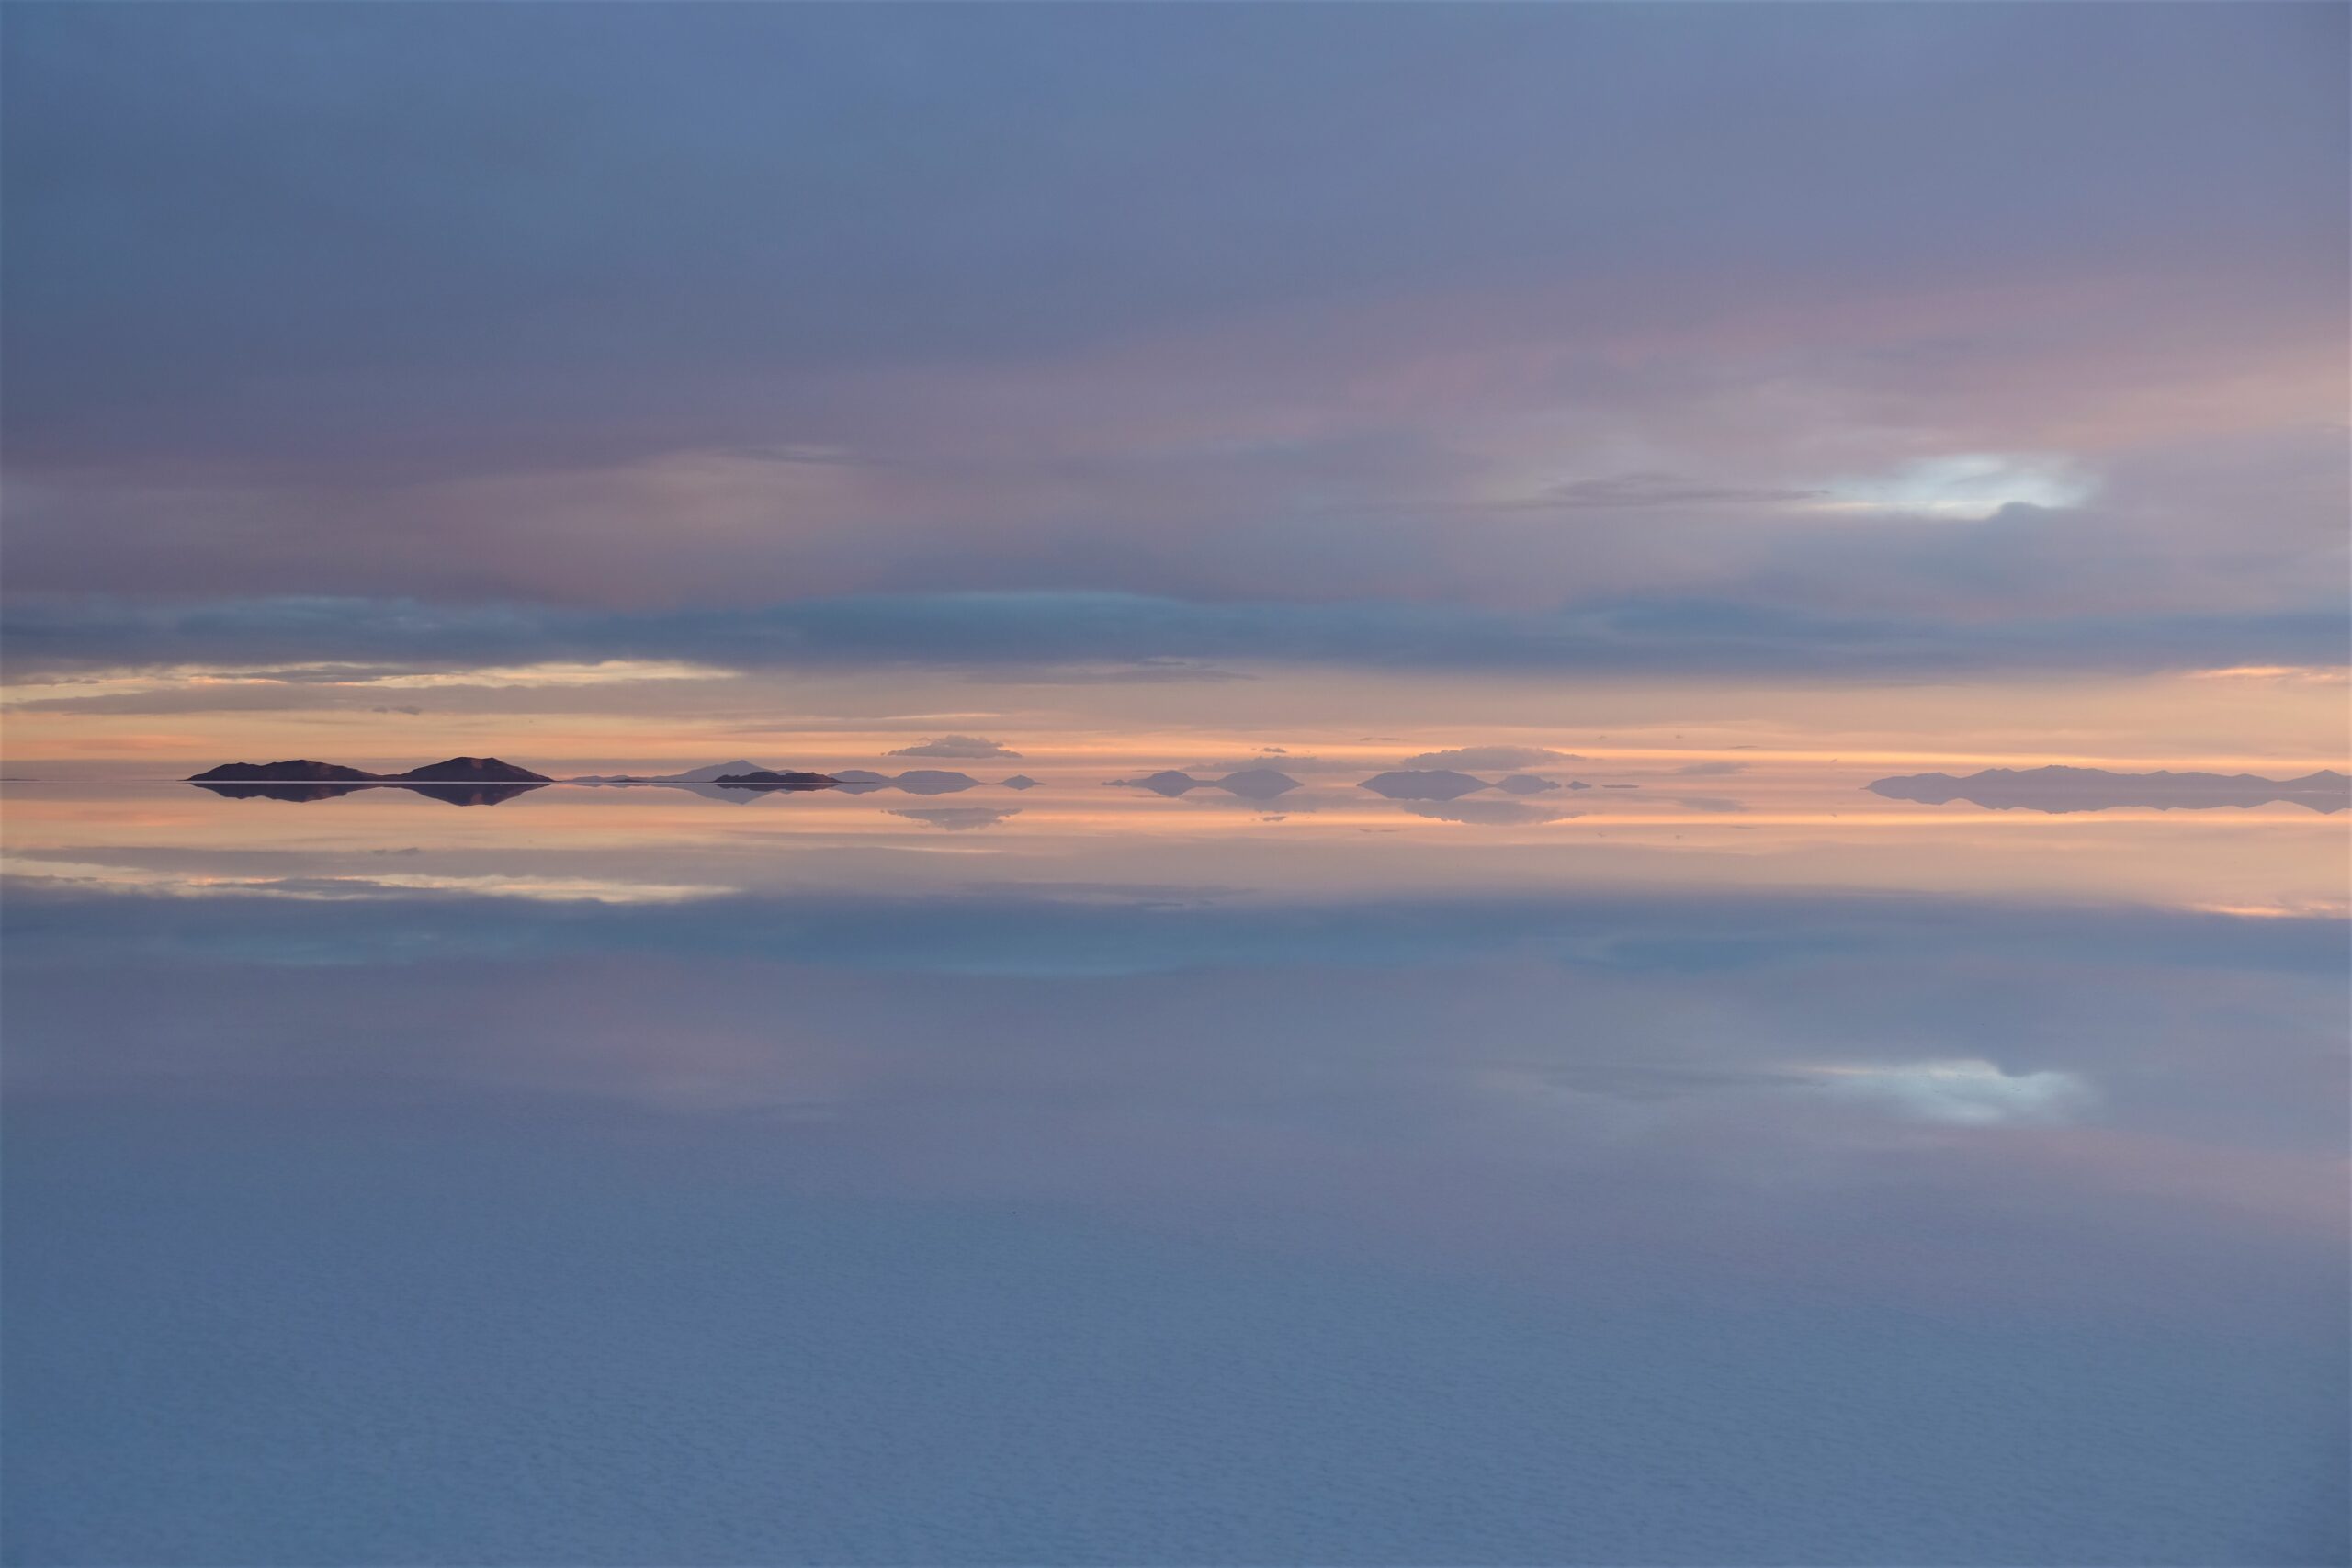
1424	783
708	773
454	770
299	771
774	778
915	781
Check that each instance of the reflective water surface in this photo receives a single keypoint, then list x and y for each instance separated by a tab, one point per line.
1734	1167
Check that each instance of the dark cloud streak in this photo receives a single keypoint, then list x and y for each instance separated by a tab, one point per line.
1018	632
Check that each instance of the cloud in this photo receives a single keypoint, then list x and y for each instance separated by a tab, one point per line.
1140	672
175	687
920	219
1726	933
970	747
183	884
597	672
1252	386
1967	485
1490	757
1486	813
1964	1092
1710	769
1631	492
2283	675
958	818
135	642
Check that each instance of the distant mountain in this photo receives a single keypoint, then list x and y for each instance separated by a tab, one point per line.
934	781
1257	784
457	769
2057	789
770	778
297	772
469	770
710	774
1018	781
1526	784
713	773
915	781
1170	783
1424	783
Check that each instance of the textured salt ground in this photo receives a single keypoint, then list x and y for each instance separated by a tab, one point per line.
234	1335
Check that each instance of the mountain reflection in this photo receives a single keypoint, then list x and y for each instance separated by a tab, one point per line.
2097	789
449	793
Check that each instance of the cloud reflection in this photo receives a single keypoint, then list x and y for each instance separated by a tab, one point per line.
156	881
1965	1092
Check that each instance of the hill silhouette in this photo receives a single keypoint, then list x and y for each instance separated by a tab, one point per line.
1257	784
301	769
1420	784
469	770
771	778
708	773
454	770
864	781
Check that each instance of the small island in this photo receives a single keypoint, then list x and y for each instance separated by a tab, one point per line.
485	780
455	769
772	778
459	780
915	781
1424	783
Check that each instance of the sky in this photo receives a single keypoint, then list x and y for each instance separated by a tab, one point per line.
687	369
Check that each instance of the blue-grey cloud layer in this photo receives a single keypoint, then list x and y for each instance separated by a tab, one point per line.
221	214
1484	310
1016	633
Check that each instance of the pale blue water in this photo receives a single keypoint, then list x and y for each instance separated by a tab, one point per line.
873	1204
